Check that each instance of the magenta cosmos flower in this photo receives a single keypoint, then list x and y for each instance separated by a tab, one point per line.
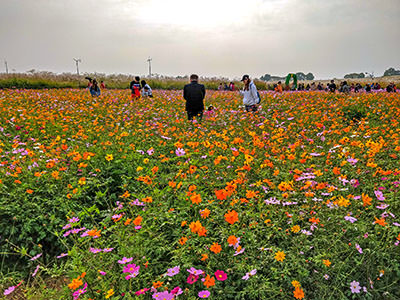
131	269
220	275
176	291
192	279
141	292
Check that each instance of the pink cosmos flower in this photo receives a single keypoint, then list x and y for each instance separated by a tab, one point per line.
163	295
193	271
95	250
36	257
355	287
180	152
173	271
74	220
379	195
125	260
9	290
204	294
35	271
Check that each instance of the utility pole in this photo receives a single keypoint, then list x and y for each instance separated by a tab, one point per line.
77	61
5	62
149	61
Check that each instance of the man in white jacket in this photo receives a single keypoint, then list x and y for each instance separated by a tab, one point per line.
250	95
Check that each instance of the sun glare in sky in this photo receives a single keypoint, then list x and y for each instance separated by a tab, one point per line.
205	13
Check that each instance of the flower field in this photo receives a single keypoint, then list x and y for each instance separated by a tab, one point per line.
113	198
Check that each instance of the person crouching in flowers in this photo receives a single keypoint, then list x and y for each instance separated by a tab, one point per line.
210	112
249	93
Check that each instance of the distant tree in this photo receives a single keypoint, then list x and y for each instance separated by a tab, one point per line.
310	76
277	78
301	76
354	75
266	77
391	72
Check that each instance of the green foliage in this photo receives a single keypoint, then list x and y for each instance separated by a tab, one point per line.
354	75
391	72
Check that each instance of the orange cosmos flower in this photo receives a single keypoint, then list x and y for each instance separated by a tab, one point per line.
380	221
232	240
298	293
326	262
195	198
138	221
231	217
280	256
183	240
216	248
205	213
209	281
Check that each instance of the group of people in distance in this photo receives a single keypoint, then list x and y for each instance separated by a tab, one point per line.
194	92
138	88
231	87
344	87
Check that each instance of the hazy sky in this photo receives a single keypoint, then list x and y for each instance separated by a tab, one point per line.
209	37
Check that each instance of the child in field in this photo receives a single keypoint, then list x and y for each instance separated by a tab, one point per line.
146	89
135	87
102	85
278	88
210	112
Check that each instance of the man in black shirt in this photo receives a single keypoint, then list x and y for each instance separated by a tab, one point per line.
194	94
332	86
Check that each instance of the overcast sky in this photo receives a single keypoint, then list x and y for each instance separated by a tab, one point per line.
208	37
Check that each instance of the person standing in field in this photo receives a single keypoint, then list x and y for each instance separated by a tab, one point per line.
135	87
146	89
194	94
102	85
250	95
332	86
94	89
279	88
